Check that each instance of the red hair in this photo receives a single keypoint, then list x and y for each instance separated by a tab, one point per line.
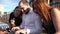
43	8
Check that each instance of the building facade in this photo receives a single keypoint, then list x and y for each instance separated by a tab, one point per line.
55	3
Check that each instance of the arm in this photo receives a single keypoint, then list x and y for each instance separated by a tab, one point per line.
56	19
11	20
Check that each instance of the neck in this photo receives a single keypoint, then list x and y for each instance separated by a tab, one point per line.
27	11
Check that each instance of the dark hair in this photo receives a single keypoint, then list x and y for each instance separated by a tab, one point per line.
16	7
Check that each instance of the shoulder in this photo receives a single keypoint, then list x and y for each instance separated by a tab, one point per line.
11	13
55	10
35	16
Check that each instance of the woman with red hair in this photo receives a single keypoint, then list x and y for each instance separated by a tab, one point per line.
50	16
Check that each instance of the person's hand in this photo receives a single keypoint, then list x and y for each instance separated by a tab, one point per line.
15	28
57	33
12	22
21	31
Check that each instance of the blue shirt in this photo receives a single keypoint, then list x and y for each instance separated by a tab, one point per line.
32	21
